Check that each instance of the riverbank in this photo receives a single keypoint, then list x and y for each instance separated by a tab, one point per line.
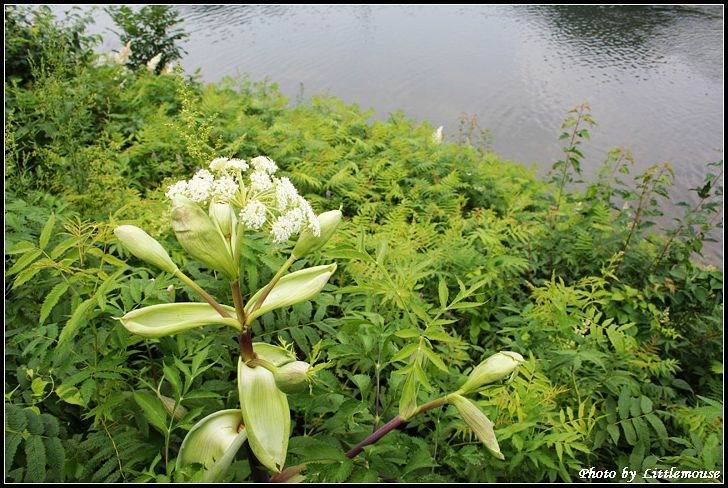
444	247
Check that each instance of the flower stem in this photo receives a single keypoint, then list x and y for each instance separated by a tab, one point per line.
393	424
203	294
245	339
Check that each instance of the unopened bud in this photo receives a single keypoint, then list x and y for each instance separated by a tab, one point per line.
201	238
144	247
223	215
481	425
293	377
308	243
496	367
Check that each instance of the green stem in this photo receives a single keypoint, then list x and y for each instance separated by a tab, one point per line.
202	293
245	339
393	424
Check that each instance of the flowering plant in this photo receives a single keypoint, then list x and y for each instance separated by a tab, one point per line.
242	197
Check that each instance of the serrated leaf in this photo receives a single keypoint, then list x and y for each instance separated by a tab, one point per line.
443	293
23	261
45	234
35	451
51	300
76	321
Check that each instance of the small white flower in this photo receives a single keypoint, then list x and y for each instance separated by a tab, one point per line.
286	193
262	163
313	222
260	181
179	189
152	63
200	186
253	215
167	70
122	57
238	164
218	164
288	224
225	188
437	136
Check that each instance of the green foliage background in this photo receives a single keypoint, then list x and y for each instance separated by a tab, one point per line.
445	249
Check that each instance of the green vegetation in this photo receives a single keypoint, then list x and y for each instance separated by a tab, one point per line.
446	255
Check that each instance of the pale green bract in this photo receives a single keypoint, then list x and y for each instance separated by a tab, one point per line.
213	442
265	414
293	288
170	318
478	422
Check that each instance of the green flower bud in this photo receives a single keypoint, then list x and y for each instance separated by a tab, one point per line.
481	425
201	238
223	215
293	377
308	243
145	247
496	367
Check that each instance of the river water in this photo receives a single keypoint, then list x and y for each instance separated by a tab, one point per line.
653	75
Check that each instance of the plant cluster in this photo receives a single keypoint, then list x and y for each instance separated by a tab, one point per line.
445	255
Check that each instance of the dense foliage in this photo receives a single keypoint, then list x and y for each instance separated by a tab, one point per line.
446	255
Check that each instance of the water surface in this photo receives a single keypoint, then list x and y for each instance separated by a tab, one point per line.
653	75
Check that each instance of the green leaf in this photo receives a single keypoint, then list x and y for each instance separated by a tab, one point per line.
153	410
171	318
35	451
293	288
45	234
51	300
657	424
614	432
78	318
12	441
172	376
443	293
432	356
26	275
645	404
629	432
624	404
23	261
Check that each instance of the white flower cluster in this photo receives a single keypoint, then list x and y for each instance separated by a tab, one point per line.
122	57
154	62
261	197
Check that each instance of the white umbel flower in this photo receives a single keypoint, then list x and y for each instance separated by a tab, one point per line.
199	188
218	164
262	163
260	181
288	224
238	164
179	189
254	214
286	193
154	62
225	188
261	200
